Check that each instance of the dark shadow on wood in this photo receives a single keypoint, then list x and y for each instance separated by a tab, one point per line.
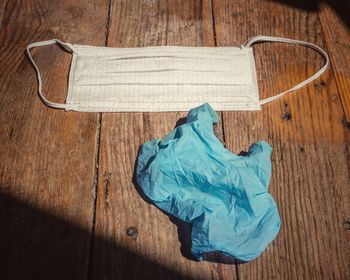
243	153
179	122
218	257
37	245
341	7
184	231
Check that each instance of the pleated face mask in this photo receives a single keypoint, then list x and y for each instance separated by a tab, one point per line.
168	78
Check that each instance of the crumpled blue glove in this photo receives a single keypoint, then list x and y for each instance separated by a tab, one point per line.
190	175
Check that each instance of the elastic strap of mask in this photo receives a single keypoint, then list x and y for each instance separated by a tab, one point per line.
66	46
256	39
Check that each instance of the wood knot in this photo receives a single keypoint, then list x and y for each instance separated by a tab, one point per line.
286	116
346	124
346	225
132	232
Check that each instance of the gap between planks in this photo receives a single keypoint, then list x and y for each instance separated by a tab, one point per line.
98	145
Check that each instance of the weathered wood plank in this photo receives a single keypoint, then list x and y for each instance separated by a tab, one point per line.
47	156
335	21
154	253
2	11
311	146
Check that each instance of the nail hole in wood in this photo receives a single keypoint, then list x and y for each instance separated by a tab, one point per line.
347	225
132	232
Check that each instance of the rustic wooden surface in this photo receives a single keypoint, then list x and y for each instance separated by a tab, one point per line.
47	156
335	21
67	192
311	145
119	205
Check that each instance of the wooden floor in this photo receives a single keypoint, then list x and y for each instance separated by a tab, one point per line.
67	194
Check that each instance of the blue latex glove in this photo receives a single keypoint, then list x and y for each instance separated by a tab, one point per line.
190	175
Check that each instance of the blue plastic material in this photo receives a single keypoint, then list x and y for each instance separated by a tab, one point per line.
190	175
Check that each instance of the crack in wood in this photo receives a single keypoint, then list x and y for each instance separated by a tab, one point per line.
107	179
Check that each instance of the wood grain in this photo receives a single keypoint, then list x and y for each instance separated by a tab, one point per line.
48	171
155	252
47	156
335	21
2	11
311	145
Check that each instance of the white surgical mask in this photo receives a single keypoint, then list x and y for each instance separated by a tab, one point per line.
169	78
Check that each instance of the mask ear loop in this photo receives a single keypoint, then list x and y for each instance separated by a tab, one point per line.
45	43
253	40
